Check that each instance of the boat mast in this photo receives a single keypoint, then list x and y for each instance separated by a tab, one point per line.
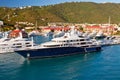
109	23
36	26
109	20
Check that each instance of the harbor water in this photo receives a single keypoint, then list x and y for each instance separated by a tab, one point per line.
103	65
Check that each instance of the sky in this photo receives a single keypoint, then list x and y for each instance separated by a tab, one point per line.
19	3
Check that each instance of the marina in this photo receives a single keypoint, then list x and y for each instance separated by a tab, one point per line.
59	40
70	42
96	64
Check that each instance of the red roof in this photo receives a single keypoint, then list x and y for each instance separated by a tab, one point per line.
100	27
93	27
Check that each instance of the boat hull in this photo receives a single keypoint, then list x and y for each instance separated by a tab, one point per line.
53	52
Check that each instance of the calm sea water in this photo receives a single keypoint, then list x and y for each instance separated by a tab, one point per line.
103	65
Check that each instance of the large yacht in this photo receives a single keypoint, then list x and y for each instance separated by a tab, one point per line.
17	39
68	44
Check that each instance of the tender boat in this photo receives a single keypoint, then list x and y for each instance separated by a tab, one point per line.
68	44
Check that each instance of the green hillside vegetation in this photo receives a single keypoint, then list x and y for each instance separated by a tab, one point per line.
73	12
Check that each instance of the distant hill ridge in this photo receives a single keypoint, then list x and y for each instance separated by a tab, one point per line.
72	12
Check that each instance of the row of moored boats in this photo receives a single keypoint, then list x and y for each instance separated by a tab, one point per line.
69	43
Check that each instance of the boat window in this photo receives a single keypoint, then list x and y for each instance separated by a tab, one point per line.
66	44
83	43
78	43
64	41
18	44
27	43
65	36
67	41
71	40
82	40
51	45
77	40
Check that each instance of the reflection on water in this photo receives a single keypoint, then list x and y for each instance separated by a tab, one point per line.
17	67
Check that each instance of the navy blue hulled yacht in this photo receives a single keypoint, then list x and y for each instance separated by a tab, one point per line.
68	44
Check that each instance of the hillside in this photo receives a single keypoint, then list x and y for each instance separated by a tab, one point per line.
74	12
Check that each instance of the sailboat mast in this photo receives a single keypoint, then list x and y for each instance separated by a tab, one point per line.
109	21
36	25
